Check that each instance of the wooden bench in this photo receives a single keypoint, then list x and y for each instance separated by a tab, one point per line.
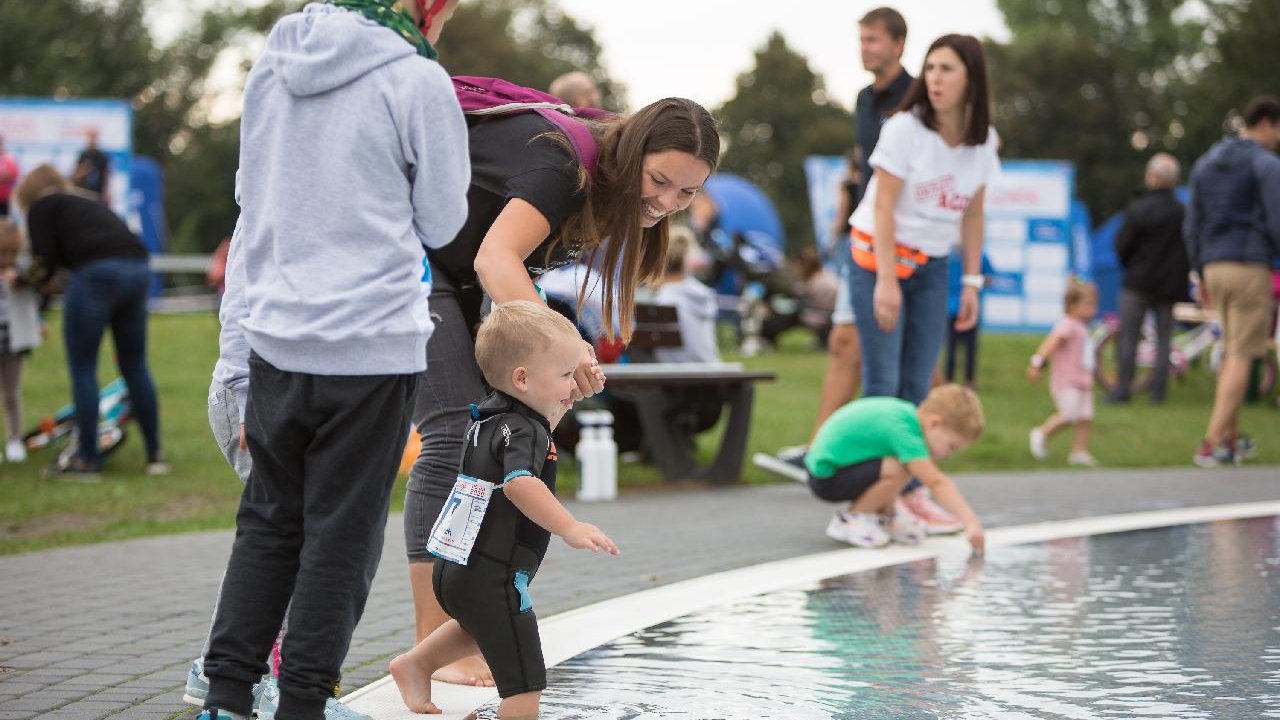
655	389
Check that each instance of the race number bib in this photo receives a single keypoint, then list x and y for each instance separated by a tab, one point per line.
455	531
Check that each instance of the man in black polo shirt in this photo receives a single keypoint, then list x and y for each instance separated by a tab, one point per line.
883	35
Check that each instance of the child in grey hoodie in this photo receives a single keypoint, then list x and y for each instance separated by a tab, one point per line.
353	161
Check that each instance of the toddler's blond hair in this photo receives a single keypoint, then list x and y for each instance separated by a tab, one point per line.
959	408
516	332
1077	290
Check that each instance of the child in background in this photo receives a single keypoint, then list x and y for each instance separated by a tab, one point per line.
868	450
528	354
695	303
19	333
968	339
1070	355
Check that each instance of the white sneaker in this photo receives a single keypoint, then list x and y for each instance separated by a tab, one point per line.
858	529
15	450
1083	459
905	528
1039	448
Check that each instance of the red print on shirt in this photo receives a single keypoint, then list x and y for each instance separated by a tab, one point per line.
942	188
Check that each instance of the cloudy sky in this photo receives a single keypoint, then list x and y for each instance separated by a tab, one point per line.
696	48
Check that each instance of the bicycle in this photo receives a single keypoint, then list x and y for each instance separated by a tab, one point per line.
1204	335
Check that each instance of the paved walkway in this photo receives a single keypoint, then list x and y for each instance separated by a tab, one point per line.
108	631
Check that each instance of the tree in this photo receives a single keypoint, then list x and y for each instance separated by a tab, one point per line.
90	48
72	49
1096	82
779	114
529	42
1234	61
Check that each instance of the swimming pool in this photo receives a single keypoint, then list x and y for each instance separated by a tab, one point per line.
1175	622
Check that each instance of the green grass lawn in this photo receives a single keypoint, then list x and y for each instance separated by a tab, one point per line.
202	492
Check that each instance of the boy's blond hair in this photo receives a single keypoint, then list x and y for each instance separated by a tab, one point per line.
514	333
959	408
42	180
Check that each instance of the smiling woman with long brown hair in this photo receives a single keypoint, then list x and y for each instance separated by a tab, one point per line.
534	206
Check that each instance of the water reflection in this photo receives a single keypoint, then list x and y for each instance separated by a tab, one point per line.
1178	622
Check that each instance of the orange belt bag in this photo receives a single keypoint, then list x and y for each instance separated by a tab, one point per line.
864	255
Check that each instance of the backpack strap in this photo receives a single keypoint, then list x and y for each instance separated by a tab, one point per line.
584	143
484	96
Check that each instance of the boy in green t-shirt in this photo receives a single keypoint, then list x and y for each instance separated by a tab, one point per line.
868	450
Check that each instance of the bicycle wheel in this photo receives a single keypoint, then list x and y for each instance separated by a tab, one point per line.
1106	370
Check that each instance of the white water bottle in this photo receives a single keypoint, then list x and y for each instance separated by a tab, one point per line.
606	487
597	455
588	440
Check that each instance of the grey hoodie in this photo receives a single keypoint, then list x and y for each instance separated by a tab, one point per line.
353	158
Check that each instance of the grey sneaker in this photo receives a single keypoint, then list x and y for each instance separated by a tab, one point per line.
790	468
335	710
266	699
197	684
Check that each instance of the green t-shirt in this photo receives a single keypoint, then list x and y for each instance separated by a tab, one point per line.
866	429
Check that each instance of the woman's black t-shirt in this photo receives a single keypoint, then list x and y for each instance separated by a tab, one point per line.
512	158
71	231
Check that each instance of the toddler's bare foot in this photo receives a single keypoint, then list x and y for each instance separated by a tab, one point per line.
467	671
414	682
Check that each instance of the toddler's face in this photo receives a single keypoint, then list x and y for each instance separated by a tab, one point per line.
1086	307
550	387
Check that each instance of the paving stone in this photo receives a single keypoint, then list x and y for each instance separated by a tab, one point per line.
136	636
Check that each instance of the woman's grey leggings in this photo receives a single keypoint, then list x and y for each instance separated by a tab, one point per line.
11	391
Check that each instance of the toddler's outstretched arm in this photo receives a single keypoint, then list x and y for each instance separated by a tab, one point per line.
531	496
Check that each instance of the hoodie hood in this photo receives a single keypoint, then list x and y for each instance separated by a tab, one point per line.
325	47
1232	151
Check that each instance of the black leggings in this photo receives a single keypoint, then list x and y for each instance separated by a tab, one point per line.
968	339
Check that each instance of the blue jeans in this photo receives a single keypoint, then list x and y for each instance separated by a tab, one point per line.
900	362
109	293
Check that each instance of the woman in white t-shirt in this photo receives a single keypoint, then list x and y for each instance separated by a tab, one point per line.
932	165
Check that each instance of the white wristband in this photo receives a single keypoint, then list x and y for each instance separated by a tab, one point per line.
974	281
1037	361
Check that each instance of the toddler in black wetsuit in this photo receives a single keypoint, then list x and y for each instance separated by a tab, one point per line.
528	354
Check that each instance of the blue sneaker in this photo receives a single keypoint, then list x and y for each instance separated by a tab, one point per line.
335	710
197	684
266	699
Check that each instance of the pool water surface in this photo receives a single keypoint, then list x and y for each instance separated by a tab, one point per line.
1177	622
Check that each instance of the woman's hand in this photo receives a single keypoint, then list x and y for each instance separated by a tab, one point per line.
887	302
967	317
588	378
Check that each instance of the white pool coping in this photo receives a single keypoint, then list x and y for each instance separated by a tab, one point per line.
573	632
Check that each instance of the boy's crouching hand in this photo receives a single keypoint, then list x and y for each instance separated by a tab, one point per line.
976	536
585	536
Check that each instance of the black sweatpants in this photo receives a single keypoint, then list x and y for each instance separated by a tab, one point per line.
325	453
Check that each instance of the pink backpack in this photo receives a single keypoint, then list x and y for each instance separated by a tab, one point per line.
493	96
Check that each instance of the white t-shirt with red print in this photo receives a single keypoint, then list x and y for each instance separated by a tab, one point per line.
938	183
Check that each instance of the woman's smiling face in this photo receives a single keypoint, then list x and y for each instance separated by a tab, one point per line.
668	182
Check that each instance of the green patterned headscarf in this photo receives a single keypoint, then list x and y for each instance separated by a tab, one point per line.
391	14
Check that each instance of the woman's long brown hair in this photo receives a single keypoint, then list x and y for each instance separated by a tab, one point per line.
609	223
